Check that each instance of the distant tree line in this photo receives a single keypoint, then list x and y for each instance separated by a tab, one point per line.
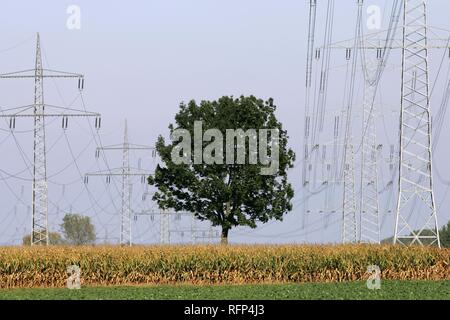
76	229
444	235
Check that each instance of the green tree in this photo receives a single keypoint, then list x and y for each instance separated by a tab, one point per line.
228	195
444	235
54	239
78	229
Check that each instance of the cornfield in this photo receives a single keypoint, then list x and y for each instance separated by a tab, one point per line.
27	267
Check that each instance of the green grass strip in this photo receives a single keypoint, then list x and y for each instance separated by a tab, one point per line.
390	290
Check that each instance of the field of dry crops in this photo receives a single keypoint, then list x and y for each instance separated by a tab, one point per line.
27	267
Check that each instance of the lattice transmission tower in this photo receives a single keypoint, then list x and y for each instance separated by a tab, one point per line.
39	111
369	205
415	183
349	219
126	173
166	231
308	146
164	222
349	216
416	174
164	228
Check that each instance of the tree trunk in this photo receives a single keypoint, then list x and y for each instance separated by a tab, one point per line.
224	236
226	229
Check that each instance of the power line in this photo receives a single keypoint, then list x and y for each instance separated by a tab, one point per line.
125	172
39	111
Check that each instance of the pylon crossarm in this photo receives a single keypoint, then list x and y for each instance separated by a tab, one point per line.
148	213
139	147
129	146
16	112
377	40
31	73
119	172
50	111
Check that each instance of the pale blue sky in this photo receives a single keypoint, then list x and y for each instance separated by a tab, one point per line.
142	58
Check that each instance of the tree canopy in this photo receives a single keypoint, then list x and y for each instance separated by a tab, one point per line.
444	235
229	190
78	229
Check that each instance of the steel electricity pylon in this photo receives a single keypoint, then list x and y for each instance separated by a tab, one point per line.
126	173
416	174
349	219
165	230
164	222
415	180
308	147
369	206
39	111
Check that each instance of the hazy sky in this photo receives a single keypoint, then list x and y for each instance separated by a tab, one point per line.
141	59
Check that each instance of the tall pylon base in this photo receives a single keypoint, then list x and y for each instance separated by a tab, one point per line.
416	221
